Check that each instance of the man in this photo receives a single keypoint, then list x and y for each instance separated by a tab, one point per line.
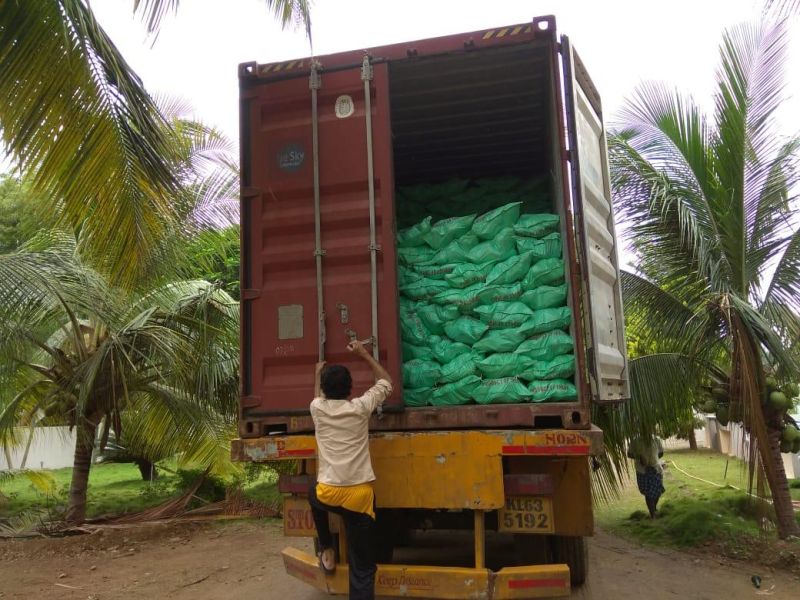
344	472
649	472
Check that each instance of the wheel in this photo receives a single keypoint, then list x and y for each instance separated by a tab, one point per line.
531	550
574	552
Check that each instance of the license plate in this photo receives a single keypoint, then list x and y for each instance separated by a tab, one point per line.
527	514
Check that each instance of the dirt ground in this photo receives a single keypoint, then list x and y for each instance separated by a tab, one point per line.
242	560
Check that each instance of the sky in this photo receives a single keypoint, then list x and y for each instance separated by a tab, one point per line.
622	42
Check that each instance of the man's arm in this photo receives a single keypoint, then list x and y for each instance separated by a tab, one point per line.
381	390
317	379
378	371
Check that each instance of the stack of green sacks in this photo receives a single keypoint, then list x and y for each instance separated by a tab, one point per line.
483	305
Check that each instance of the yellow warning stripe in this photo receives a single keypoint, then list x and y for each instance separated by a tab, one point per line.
285	66
498	33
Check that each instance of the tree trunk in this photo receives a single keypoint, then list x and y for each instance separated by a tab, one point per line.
27	447
84	444
781	498
147	469
692	439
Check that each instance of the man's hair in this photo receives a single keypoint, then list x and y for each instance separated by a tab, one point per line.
336	382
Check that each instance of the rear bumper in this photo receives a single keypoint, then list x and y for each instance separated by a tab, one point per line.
411	581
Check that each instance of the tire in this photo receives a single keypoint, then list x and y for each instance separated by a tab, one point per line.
531	550
574	552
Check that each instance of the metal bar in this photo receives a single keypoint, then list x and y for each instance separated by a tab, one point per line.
314	83
480	539
366	77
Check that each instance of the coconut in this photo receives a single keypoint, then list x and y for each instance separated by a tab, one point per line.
777	400
792	390
771	383
790	433
796	446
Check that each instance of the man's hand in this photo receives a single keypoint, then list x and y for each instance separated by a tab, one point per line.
357	348
318	369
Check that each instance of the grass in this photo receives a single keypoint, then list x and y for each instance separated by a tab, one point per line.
693	512
116	489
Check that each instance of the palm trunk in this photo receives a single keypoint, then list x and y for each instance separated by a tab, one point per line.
27	448
84	444
692	439
781	498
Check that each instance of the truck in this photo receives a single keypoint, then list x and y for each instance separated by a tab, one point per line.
326	142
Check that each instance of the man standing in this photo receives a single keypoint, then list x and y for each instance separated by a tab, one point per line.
344	473
649	472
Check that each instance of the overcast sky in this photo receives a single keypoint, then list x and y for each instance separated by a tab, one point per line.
622	42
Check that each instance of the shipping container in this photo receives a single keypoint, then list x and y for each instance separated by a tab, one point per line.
326	142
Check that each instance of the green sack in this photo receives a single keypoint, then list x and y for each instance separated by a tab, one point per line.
406	276
555	390
466	274
499	184
456	251
459	392
560	367
421	193
452	186
488	225
504	315
504	364
460	367
546	320
447	230
547	270
415	255
445	350
412	330
545	296
547	346
536	226
424	288
412	351
547	247
464	299
414	235
419	373
497	249
499	340
508	390
465	330
434	316
510	270
420	397
433	271
500	293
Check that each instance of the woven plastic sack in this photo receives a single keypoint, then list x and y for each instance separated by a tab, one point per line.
547	247
415	255
411	328
414	235
545	271
560	367
536	226
424	288
555	390
545	296
421	193
508	390
504	364
456	251
406	276
510	270
500	293
504	315
420	397
464	299
445	350
547	345
434	316
459	392
465	330
447	230
466	274
499	340
433	271
499	184
419	373
499	248
546	320
412	351
460	367
488	225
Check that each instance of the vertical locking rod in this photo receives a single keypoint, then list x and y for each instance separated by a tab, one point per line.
366	77
314	83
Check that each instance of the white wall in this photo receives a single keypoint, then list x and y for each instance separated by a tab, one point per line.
51	448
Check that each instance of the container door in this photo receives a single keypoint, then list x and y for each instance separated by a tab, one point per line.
594	220
283	330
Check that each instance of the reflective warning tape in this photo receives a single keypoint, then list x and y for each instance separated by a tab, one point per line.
499	33
284	66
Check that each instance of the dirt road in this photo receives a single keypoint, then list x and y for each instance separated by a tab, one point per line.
242	560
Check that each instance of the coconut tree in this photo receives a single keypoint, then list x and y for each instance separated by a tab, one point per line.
77	350
708	201
77	121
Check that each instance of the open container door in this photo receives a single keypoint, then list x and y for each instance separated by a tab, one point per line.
597	241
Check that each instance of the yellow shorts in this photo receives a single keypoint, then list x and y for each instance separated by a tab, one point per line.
358	498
